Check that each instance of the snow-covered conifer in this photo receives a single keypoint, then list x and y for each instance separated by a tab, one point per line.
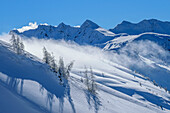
89	81
61	68
46	56
68	69
53	63
17	44
13	42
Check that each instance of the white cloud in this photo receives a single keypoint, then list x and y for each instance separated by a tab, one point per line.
78	26
31	26
44	24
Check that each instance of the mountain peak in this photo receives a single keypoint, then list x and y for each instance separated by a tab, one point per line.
125	22
150	25
61	25
150	20
89	24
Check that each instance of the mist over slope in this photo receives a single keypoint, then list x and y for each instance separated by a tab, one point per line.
32	81
144	57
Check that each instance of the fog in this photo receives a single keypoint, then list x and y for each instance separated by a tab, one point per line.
92	56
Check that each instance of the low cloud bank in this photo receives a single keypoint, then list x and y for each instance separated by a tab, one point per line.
128	56
133	53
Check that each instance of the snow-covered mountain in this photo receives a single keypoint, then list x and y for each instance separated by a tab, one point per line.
118	42
92	34
151	25
28	85
88	33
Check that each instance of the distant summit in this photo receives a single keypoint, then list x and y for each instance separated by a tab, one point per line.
89	24
88	33
151	25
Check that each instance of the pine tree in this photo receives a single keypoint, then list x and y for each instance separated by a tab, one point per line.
50	60
64	72
21	47
68	69
13	42
93	83
61	69
53	63
46	55
89	81
17	44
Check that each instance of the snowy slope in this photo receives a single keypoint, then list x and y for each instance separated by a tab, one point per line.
151	25
26	80
11	102
120	41
143	56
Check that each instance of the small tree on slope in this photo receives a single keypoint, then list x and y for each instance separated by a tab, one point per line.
89	81
61	70
53	63
46	56
64	72
17	44
68	69
20	45
13	42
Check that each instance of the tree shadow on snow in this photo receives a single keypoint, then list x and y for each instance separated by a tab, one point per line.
92	100
19	68
157	100
61	93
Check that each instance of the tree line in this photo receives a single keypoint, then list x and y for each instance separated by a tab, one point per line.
59	68
62	71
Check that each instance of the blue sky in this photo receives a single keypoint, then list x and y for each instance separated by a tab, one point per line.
106	13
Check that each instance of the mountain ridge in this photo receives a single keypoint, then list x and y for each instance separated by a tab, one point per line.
89	33
150	25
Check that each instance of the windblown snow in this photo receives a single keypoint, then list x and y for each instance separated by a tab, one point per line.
131	71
